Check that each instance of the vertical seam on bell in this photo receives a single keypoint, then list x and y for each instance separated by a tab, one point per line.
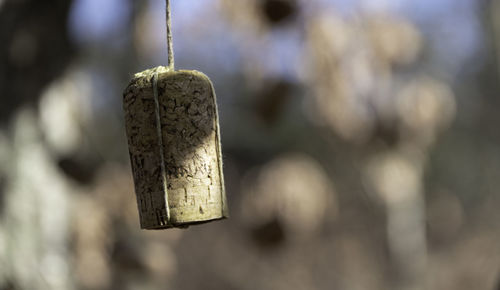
160	144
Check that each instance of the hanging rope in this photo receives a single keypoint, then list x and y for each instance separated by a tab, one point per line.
160	216
170	46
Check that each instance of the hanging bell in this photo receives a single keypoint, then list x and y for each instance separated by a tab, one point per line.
174	143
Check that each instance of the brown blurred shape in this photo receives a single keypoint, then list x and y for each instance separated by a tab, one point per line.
272	101
278	11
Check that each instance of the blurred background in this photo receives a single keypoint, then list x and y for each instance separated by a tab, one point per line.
360	143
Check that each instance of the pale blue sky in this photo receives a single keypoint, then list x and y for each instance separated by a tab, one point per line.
451	26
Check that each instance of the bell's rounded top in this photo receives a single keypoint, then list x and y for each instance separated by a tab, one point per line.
166	69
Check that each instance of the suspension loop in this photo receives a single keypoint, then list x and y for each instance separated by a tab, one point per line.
170	46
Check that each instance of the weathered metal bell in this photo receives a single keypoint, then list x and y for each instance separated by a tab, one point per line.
174	142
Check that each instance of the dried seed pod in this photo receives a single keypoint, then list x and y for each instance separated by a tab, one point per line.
174	142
